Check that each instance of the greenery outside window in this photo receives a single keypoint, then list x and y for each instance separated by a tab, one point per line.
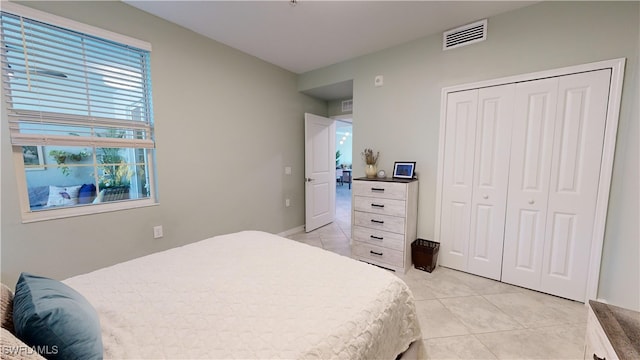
78	107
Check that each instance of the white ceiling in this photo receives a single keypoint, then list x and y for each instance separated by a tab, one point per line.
314	34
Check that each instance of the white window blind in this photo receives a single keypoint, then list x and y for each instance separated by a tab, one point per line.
67	88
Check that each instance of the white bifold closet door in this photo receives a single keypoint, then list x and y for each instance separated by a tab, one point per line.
557	141
478	129
521	170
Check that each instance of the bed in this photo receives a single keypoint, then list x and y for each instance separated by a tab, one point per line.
250	295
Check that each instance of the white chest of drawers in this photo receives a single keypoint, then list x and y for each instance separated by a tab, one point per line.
384	222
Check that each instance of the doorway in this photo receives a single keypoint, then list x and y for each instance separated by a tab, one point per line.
339	98
344	176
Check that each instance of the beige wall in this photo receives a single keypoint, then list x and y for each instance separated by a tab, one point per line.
226	126
401	119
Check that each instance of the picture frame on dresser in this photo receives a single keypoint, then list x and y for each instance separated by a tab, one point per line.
404	169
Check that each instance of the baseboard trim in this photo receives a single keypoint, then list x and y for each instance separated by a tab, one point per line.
295	230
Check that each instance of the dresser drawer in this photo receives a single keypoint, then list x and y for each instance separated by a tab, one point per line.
393	224
378	254
379	206
380	189
379	238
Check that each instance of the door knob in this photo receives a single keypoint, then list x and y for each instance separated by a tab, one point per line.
531	201
485	196
308	179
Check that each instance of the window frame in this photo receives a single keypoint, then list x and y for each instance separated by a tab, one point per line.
72	211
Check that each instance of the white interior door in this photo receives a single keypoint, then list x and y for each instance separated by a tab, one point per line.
476	169
490	180
530	167
320	171
573	189
457	181
558	137
559	165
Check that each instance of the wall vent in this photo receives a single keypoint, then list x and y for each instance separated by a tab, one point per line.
347	105
465	35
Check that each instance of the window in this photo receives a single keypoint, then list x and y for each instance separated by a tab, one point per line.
80	119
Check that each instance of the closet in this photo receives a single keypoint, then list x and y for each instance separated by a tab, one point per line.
520	176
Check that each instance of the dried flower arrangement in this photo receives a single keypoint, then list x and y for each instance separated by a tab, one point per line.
369	158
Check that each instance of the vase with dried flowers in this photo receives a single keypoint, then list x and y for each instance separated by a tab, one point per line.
371	162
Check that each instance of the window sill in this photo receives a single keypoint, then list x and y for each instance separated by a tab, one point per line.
54	214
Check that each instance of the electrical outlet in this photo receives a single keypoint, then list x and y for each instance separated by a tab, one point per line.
287	202
287	170
157	232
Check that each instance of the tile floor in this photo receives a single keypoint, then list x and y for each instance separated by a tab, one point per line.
464	316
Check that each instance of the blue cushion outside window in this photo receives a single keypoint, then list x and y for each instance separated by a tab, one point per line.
86	194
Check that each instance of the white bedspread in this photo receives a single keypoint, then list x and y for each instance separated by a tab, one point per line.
250	295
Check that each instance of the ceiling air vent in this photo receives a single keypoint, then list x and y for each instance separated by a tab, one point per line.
465	35
347	105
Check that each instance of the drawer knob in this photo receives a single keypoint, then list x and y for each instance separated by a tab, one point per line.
380	254
377	205
377	221
595	357
377	237
377	189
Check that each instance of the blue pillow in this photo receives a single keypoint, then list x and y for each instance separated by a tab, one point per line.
86	193
55	319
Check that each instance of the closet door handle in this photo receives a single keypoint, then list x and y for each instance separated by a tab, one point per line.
596	357
485	196
377	221
375	253
377	205
376	237
531	201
